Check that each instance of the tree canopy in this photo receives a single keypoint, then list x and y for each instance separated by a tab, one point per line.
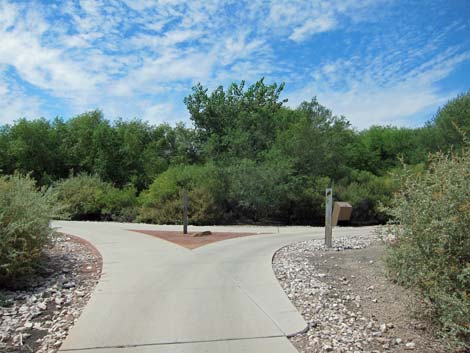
247	154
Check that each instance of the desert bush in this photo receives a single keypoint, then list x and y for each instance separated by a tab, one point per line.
87	197
431	251
119	205
256	191
367	193
82	196
163	201
25	213
305	200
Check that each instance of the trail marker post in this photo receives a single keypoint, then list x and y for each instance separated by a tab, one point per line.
328	210
185	212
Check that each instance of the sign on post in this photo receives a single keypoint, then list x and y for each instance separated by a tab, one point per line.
185	212
341	212
328	209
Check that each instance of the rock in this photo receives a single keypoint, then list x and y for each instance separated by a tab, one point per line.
341	326
27	311
59	301
68	285
37	326
202	234
410	346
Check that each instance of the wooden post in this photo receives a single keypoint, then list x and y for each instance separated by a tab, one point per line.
185	212
328	210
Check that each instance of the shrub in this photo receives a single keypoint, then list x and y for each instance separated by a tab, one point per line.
431	251
87	197
163	201
256	190
366	192
25	213
119	205
82	196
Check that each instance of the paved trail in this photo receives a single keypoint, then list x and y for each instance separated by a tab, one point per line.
155	296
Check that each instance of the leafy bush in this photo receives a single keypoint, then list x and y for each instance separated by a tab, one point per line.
366	192
25	214
82	196
87	197
163	201
119	205
305	200
256	190
431	252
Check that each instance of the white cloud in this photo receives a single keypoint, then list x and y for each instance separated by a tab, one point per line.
311	27
139	57
15	103
378	92
158	113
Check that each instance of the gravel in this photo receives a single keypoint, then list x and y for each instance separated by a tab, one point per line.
37	319
337	310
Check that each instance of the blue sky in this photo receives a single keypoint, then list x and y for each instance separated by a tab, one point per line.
373	61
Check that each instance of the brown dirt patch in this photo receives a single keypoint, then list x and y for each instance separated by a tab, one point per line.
190	242
381	300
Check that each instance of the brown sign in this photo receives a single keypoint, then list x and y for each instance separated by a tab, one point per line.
341	212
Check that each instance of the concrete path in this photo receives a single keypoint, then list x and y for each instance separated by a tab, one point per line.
155	296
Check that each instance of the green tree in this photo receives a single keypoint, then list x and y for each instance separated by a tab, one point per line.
453	121
237	122
382	148
316	142
34	147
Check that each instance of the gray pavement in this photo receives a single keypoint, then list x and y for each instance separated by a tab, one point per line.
155	296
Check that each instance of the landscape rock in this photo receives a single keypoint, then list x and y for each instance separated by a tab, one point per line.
37	319
338	315
202	234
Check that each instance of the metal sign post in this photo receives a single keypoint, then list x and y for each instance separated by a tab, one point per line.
185	212
328	210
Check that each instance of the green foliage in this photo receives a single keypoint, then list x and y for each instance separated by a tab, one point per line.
257	190
315	141
33	147
431	219
119	205
382	148
367	193
238	122
163	201
453	121
271	161
88	197
25	213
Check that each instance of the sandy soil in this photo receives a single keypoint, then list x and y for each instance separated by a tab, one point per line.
362	273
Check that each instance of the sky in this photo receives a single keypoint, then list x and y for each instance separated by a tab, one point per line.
374	61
